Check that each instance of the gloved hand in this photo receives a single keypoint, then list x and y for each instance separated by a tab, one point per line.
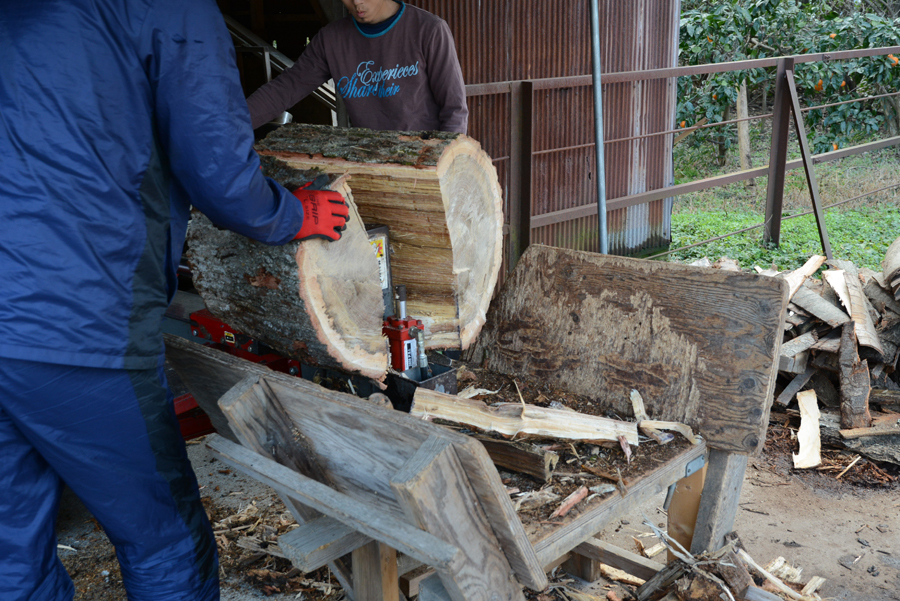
325	213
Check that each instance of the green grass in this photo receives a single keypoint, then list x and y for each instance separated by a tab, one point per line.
859	231
861	235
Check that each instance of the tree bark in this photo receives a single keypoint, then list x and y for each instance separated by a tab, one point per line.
317	301
439	195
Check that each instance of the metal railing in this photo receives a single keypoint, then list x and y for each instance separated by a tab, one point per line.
786	103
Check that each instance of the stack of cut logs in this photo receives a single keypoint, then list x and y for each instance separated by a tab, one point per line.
840	352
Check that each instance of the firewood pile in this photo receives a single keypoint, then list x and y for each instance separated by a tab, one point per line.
838	374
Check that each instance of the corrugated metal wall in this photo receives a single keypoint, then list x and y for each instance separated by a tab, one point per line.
511	40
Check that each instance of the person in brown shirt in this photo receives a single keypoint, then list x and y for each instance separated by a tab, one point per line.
394	65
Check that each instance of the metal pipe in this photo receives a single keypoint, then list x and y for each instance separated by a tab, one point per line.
598	126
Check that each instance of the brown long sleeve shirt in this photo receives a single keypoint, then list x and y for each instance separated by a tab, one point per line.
406	78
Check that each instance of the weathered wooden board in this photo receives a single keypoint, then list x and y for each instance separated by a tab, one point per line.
358	446
700	345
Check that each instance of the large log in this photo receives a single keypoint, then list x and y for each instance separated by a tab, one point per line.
317	301
439	195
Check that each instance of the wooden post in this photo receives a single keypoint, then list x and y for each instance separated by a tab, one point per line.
431	484
518	200
375	575
719	500
781	122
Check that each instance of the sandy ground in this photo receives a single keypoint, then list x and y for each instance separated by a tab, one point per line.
807	519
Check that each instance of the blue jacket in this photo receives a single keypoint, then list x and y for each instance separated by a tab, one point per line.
115	117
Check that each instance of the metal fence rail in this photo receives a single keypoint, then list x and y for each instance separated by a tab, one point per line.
520	160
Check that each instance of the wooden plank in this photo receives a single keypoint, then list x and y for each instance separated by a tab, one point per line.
375	573
356	443
521	457
798	344
618	558
810	301
519	419
368	519
320	541
551	543
794	365
830	343
432	589
409	583
699	344
795	386
719	501
681	517
435	494
660	581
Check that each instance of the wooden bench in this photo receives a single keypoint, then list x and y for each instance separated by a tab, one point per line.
370	481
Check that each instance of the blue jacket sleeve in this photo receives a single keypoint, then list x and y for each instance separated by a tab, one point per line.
203	123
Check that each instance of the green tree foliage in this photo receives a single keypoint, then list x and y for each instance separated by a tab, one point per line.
734	30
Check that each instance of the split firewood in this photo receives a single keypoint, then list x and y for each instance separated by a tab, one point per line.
316	301
521	457
780	568
569	502
682	429
891	267
816	305
438	193
518	420
850	292
782	587
611	573
640	415
882	425
735	574
794	386
855	383
799	344
795	278
808	436
813	585
535	499
881	296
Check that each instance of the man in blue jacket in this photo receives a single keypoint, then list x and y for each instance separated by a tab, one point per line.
115	118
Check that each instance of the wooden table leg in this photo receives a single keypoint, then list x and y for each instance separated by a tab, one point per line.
719	501
375	575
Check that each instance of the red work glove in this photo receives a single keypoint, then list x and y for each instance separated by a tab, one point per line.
325	214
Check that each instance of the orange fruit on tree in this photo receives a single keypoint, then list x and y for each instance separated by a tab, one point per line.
715	97
819	86
683	123
832	36
834	145
843	83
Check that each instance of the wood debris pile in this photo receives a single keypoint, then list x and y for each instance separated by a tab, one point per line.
248	546
728	574
550	474
838	377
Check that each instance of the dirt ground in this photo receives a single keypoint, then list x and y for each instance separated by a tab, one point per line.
845	531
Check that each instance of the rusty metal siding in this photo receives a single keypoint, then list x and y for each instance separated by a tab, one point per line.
511	40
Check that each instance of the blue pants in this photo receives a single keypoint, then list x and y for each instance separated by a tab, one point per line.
113	438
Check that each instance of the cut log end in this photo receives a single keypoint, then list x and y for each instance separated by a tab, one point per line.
316	301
